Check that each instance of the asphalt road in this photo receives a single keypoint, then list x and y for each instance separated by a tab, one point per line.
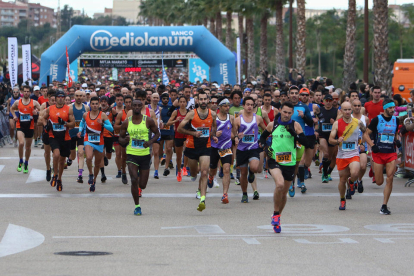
172	237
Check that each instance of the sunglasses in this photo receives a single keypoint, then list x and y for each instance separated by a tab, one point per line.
328	101
357	106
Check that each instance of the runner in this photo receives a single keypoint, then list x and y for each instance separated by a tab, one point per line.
118	109
138	144
235	98
246	132
91	127
363	146
60	119
384	128
35	97
76	144
347	130
221	150
167	133
107	135
282	156
155	98
27	108
202	122
14	98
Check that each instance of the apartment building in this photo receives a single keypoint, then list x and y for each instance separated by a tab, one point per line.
12	12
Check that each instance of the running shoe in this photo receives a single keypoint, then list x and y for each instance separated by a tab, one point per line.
90	180
80	179
35	144
351	186
92	188
19	168
231	176
59	186
193	178
69	162
265	174
201	206
250	177
256	195
309	173
373	179
156	174
348	194
385	211
221	174
300	184
245	199
179	177
306	174
106	161
324	178
215	183
292	190
320	168
139	192
210	182
198	194
171	165
166	172
137	211
184	172
343	205
163	161
26	168
371	173
119	175
360	187
225	199
188	171
329	177
53	181
48	175
124	178
303	189
237	181
103	178
277	229
275	220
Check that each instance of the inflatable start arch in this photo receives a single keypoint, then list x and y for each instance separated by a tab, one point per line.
80	39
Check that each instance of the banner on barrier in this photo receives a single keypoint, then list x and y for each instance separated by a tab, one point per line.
132	63
73	71
199	70
409	151
27	63
13	53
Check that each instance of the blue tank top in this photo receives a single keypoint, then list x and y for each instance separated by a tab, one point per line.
251	131
164	117
386	134
78	114
11	104
224	141
295	116
310	130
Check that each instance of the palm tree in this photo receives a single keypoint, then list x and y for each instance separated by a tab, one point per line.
280	41
382	69
350	55
229	42
301	37
219	25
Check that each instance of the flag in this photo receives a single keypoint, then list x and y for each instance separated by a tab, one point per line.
27	63
13	53
68	66
165	79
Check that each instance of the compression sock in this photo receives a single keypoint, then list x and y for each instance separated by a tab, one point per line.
325	165
26	162
103	170
342	199
330	170
245	193
136	206
301	173
80	171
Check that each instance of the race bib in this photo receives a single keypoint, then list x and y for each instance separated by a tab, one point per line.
93	138
236	114
205	132
283	157
77	124
248	138
58	127
137	144
387	138
348	146
326	127
166	127
225	152
25	118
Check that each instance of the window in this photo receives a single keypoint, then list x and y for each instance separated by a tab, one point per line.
45	16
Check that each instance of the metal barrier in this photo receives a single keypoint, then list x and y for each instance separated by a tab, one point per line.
408	154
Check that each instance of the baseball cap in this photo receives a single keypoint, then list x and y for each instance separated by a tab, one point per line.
283	93
328	97
247	90
84	85
304	91
104	98
36	88
60	94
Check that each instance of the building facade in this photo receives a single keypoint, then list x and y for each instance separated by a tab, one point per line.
11	13
127	8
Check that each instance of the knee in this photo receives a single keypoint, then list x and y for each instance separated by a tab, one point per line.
134	180
279	187
143	185
226	170
203	173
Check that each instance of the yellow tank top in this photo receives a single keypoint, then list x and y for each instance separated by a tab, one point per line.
138	135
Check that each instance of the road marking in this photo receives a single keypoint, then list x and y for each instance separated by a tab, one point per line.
36	176
201	229
307	228
394	227
18	239
1	167
17	159
346	240
389	240
251	241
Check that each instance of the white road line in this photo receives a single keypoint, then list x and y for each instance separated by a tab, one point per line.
36	176
18	239
1	167
251	241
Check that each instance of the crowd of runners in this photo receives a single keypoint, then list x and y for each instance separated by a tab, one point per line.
216	131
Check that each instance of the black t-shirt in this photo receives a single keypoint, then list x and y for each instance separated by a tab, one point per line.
275	105
34	97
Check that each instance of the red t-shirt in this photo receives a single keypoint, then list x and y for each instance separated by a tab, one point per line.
373	109
42	100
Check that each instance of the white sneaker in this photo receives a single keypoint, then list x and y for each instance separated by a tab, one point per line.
215	183
15	144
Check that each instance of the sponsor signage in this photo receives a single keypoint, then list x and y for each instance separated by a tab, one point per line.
132	63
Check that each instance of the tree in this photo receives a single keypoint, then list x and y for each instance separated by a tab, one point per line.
301	37
280	43
349	72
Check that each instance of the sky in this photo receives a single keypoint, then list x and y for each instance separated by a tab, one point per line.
91	7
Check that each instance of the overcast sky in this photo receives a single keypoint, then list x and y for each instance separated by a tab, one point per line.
91	7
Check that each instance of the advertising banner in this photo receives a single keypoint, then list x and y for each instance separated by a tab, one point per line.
132	63
115	74
27	63
13	53
198	70
73	71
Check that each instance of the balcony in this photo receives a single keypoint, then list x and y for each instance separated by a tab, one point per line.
3	12
36	11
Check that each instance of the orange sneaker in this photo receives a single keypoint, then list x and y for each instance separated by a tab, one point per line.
184	171
139	192
225	199
179	177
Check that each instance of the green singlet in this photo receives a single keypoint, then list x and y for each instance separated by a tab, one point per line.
139	134
234	110
283	146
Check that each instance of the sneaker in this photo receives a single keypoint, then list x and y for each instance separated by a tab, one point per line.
35	144
373	179
92	188
265	174
69	162
324	178
221	174
210	182
156	174
275	220
188	171
106	161
184	171
137	211
232	176
48	175
292	190
124	178
193	178
19	168
351	187
256	195
385	211
162	161
198	194
300	184
53	181
250	177
80	179
309	173
201	206
59	186
277	229
90	180
348	194
103	178
371	173
237	181
245	199
119	175
26	168
303	189
215	183
139	192
166	172
343	205
329	177
360	187
171	165
225	199
320	168
306	174
179	177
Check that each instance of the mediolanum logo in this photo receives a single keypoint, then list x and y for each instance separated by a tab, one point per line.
103	40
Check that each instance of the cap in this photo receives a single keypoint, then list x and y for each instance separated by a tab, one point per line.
84	85
87	91
36	88
328	97
304	91
117	87
60	94
247	90
97	89
104	98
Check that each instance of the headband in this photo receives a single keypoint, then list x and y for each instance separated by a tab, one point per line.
390	104
224	101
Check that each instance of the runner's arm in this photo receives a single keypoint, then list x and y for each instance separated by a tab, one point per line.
187	119
123	138
117	124
107	123
266	133
307	118
14	109
154	129
235	129
213	126
260	122
332	136
232	122
172	120
300	136
265	116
